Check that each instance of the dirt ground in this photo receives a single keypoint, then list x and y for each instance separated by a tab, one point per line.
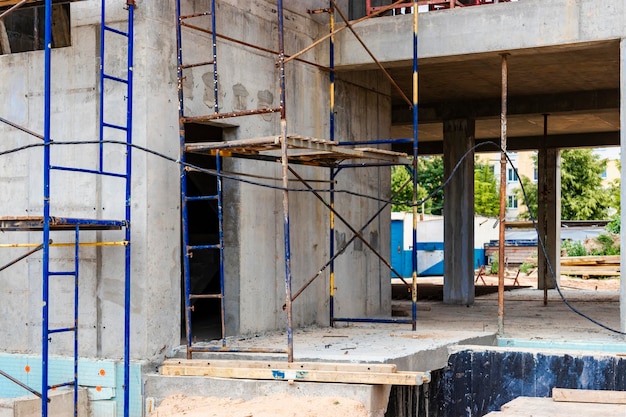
269	406
566	282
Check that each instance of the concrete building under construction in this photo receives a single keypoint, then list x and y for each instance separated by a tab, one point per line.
193	179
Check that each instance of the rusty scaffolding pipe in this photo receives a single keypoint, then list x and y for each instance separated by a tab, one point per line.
501	258
376	61
328	35
12	9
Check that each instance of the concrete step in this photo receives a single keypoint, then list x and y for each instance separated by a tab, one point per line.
61	405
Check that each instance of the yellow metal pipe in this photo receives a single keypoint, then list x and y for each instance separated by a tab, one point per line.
33	245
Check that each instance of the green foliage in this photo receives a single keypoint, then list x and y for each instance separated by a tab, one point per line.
430	176
526	267
614	225
531	201
582	195
574	248
608	246
494	261
486	195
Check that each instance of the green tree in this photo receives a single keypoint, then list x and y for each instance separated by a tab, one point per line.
430	176
486	195
530	201
583	197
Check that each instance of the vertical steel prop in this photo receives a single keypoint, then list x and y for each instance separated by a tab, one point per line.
415	143
333	171
220	215
130	4
183	183
46	208
501	257
216	107
285	173
544	220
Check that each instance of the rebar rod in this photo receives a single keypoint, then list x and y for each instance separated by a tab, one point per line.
22	128
21	384
24	256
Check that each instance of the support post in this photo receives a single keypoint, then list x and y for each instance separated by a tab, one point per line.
458	210
501	225
549	216
622	292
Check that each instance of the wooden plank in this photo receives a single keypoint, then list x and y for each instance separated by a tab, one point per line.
9	3
588	396
591	260
319	366
546	407
281	371
285	374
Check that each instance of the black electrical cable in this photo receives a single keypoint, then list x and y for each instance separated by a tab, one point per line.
541	243
430	196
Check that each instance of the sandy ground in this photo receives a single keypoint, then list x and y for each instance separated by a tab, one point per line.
526	317
270	406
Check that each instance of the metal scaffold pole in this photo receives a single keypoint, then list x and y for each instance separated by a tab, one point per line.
415	153
501	243
46	208
285	174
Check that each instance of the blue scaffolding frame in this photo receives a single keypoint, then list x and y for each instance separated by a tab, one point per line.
49	223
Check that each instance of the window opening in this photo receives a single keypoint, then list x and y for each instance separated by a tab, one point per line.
23	29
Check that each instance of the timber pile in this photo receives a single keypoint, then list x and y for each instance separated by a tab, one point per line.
567	403
588	266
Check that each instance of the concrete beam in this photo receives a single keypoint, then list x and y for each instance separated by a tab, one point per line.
491	29
526	143
581	101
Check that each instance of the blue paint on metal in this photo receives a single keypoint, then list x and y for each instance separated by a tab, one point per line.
46	207
220	218
129	162
371	320
216	107
183	182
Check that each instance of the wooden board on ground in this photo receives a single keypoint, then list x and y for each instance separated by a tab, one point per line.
374	374
588	396
546	407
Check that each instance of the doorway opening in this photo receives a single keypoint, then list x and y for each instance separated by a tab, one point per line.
203	225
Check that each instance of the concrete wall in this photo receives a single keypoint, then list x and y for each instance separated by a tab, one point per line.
155	220
253	215
543	24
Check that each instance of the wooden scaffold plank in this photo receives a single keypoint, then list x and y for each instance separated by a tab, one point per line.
374	374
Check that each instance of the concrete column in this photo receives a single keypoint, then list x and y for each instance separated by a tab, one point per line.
622	292
549	215
458	283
